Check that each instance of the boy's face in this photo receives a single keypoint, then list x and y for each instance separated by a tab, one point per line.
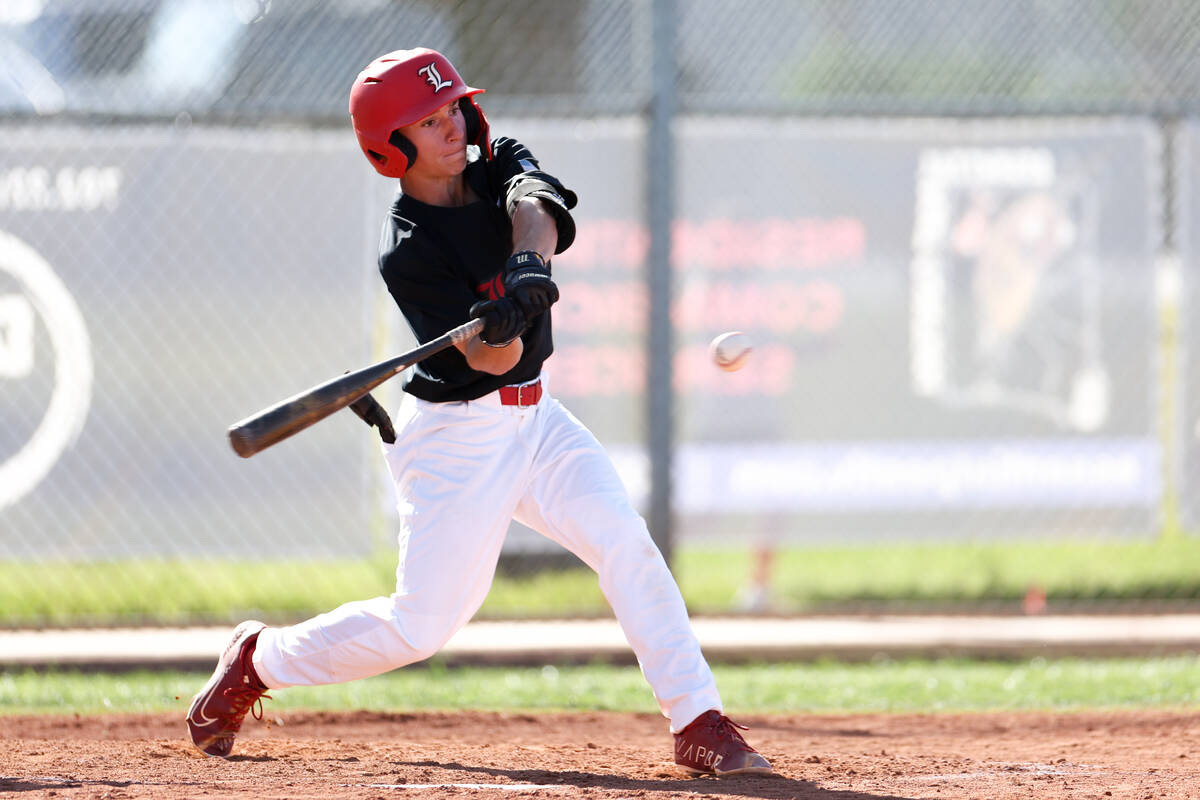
441	142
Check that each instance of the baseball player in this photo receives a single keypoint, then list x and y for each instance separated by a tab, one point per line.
478	439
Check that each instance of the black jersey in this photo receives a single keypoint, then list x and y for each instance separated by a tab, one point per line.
438	261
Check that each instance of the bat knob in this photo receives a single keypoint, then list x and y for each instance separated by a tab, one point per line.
241	443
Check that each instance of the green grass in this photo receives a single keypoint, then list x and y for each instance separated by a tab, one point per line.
881	686
179	592
804	580
954	574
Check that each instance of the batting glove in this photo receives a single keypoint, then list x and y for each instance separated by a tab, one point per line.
503	320
369	411
527	280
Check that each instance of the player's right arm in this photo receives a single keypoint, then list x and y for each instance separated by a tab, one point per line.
538	206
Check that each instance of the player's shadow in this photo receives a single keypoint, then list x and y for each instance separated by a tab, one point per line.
766	786
51	785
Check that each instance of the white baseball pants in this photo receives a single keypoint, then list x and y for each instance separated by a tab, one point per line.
462	471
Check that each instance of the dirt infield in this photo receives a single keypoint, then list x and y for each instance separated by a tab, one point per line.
988	756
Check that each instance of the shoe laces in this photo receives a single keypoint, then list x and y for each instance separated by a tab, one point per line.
241	700
725	728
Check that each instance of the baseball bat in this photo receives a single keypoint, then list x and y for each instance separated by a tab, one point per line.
271	425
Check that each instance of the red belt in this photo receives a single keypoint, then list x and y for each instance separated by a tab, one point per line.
521	396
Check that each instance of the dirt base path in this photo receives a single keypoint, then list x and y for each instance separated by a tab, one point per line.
1142	755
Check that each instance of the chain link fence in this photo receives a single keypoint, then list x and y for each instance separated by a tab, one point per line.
957	233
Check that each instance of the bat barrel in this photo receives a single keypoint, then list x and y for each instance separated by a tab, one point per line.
272	425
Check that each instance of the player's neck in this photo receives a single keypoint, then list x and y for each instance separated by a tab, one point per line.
441	191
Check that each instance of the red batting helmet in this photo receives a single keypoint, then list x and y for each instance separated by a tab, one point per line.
401	88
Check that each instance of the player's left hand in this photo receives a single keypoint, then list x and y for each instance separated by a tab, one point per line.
527	280
503	320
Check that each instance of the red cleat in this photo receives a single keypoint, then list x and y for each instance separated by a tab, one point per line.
218	710
711	745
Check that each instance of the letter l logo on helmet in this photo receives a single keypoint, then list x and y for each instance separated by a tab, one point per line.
434	77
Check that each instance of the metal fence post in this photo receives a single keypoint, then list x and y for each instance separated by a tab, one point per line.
660	175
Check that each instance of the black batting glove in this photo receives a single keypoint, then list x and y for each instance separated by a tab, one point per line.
369	411
527	280
503	320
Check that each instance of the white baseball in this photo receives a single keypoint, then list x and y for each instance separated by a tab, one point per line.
731	350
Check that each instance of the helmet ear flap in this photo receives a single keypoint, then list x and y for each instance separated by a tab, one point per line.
477	125
402	143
